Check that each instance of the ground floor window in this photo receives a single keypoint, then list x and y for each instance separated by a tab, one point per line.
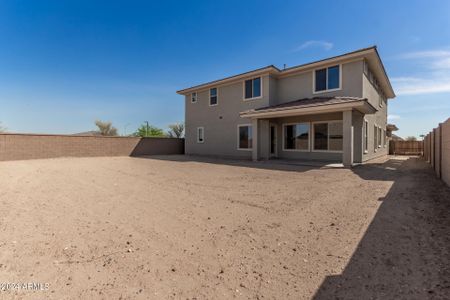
245	137
296	136
328	136
366	136
200	134
379	137
375	137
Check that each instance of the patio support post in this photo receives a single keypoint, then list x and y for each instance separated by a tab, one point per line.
255	139
347	147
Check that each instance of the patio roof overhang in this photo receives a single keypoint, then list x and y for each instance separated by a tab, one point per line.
310	106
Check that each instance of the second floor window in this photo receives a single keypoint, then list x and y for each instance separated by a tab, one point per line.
327	79
375	138
252	88
194	97
213	96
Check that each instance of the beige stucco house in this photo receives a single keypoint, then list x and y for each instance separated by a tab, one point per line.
333	109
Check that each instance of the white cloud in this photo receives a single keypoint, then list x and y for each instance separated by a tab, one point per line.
393	117
415	86
426	54
434	69
314	44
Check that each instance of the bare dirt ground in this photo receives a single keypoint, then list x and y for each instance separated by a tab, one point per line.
186	228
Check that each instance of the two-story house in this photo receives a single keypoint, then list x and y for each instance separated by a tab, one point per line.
333	109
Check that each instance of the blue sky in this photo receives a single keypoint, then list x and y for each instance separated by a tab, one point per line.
64	64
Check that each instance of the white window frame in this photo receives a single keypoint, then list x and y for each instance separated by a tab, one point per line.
381	99
366	136
375	138
238	131
328	137
261	87
379	137
326	82
194	97
198	135
283	137
217	96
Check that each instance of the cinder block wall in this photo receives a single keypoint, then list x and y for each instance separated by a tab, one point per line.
34	146
437	150
445	152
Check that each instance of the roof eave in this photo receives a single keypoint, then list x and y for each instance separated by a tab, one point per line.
360	105
268	69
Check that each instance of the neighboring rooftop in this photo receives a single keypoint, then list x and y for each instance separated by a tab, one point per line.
370	53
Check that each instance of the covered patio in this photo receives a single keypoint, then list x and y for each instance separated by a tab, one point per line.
321	128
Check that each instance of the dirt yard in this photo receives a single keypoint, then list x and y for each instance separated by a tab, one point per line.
178	228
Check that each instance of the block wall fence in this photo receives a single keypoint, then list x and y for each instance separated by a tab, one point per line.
35	146
437	150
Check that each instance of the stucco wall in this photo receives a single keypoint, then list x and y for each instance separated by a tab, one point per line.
358	121
379	119
34	146
220	122
301	85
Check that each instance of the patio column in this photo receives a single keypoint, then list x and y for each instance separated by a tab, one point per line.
347	147
255	139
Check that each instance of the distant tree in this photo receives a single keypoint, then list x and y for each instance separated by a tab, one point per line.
176	130
411	138
146	130
2	129
106	128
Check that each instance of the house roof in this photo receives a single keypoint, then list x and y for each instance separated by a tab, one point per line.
370	53
316	104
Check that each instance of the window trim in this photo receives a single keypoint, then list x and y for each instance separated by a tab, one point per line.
375	138
217	96
238	127
380	99
192	97
365	136
328	137
203	133
379	136
261	88
326	83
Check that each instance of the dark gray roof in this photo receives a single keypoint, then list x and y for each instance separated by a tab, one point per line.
307	102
